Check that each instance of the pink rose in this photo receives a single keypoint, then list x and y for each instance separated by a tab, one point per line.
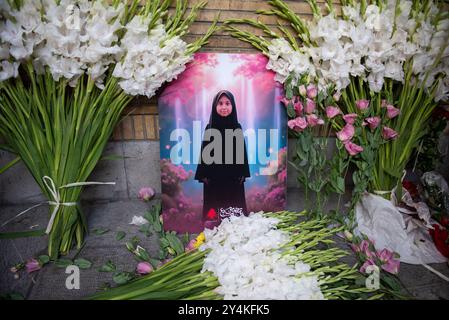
346	133
146	193
144	268
350	118
392	111
332	111
313	120
352	148
312	91
32	265
310	106
191	245
298	107
372	122
297	124
388	133
302	90
362	104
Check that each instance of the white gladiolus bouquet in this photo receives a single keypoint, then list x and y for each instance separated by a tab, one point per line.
388	57
67	70
263	256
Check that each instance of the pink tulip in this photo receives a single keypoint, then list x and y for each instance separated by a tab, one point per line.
350	118
310	106
346	133
352	148
144	268
332	111
392	111
297	124
146	193
298	107
191	245
372	122
32	265
302	90
312	91
388	133
362	104
313	120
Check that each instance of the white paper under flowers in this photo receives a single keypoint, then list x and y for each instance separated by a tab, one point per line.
246	259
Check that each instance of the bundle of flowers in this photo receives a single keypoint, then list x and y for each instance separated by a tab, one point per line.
375	51
262	256
68	69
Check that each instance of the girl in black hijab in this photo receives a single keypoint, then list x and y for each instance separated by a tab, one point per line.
223	181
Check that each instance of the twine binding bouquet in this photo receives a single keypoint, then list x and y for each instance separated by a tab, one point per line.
68	69
263	256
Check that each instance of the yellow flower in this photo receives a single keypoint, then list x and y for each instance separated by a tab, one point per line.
199	240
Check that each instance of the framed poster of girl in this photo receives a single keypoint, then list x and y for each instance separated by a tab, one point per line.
223	140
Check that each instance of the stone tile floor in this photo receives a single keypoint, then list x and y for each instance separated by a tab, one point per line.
49	282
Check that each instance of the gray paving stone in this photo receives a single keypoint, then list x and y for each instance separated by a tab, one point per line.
108	170
17	185
142	166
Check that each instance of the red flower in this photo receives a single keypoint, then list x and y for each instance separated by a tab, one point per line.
411	188
211	214
444	221
440	237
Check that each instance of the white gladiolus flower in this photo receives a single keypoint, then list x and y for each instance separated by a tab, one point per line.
73	38
246	259
373	46
150	59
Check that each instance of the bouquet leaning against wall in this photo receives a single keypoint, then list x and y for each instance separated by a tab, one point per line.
68	69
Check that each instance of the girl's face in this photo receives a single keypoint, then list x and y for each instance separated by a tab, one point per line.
224	106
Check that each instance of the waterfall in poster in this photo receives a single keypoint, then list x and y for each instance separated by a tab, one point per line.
223	142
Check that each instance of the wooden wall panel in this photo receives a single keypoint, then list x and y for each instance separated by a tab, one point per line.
141	117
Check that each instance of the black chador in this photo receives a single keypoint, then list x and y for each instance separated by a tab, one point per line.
223	181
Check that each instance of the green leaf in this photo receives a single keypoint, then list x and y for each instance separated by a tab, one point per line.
22	234
157	226
290	110
146	229
108	267
120	235
142	254
63	263
148	215
44	259
164	242
83	263
175	243
289	92
100	231
122	277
